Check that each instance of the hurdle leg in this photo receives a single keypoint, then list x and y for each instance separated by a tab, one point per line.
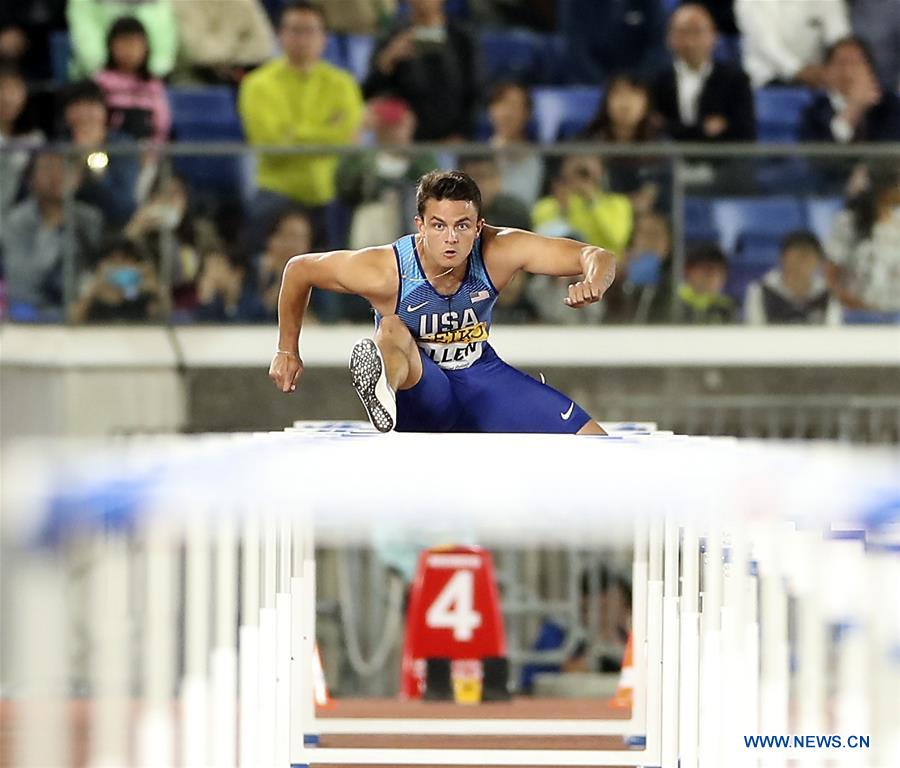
690	649
223	663
268	652
195	728
670	658
654	644
283	649
248	648
639	630
710	654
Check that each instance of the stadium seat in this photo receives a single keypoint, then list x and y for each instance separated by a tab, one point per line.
572	105
209	113
740	275
359	50
60	54
758	248
820	213
698	221
334	52
866	317
778	113
737	216
515	54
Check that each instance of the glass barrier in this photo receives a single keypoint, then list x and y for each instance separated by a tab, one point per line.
194	233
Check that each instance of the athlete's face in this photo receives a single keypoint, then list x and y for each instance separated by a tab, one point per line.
448	229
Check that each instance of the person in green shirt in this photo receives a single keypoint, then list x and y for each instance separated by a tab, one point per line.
299	99
90	20
581	207
701	296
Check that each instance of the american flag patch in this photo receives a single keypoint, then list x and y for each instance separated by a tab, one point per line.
479	296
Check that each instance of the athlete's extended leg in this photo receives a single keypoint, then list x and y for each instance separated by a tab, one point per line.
381	366
591	428
400	353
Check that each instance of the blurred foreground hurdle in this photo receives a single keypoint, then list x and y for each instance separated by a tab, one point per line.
766	590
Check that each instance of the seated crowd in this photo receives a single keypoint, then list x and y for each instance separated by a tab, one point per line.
97	225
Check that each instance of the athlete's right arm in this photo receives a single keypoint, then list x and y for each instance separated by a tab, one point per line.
368	273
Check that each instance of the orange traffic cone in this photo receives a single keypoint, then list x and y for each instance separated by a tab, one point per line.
624	695
320	687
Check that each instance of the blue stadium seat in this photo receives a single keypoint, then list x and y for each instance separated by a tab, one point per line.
572	105
740	275
737	216
758	248
209	113
698	220
359	50
60	54
334	52
778	113
866	317
820	213
515	54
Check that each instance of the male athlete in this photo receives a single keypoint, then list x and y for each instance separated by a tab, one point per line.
429	367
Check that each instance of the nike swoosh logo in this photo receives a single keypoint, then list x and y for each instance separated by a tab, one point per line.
565	416
417	307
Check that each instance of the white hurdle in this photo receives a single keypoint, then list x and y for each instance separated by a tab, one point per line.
714	575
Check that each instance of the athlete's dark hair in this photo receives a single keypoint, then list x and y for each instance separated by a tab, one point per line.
801	239
301	5
447	185
128	26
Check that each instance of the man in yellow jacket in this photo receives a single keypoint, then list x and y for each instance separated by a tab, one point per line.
299	99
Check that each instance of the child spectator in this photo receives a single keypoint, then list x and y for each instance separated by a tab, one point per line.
17	136
123	288
580	206
222	293
108	181
863	251
169	216
700	296
642	292
37	240
521	168
856	107
795	291
625	116
378	182
89	21
136	100
497	208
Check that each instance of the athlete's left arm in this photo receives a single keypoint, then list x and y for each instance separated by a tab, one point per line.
560	257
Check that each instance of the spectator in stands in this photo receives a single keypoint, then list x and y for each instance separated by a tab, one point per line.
223	295
25	30
41	234
863	250
379	182
700	296
700	99
220	39
123	288
168	217
521	168
882	31
784	42
136	100
292	234
359	17
108	181
294	100
432	63
625	115
609	36
497	208
856	106
90	20
643	293
581	207
795	291
17	135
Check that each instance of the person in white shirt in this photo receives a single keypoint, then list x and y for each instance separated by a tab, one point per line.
795	291
783	41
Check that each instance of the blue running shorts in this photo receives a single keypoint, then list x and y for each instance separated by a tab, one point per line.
488	396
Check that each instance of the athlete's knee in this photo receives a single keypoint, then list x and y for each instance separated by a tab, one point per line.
393	330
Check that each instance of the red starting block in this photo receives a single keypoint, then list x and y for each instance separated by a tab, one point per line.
453	618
